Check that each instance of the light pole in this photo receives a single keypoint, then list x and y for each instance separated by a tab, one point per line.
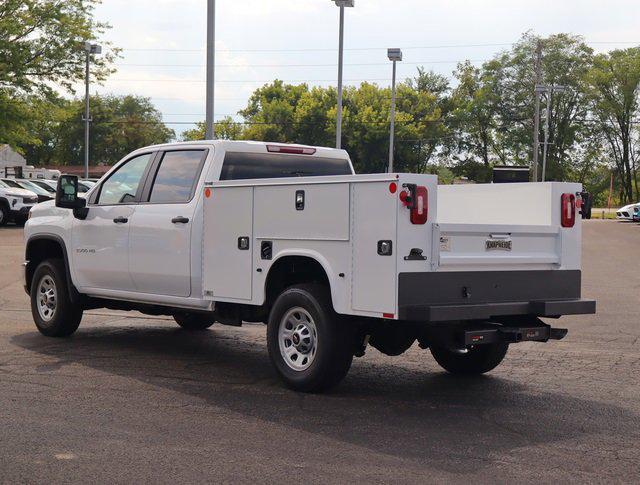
394	55
342	4
89	49
211	62
549	90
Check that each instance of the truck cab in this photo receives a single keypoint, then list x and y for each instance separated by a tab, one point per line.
332	262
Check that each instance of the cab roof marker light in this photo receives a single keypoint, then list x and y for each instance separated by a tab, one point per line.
290	149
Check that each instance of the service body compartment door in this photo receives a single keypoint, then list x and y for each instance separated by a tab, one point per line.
373	221
227	262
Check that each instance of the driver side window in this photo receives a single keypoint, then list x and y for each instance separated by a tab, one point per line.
121	187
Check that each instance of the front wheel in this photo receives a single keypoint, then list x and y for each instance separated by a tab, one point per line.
477	359
53	312
310	345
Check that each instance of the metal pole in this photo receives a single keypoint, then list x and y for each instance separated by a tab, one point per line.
546	132
211	62
393	117
536	119
87	118
340	59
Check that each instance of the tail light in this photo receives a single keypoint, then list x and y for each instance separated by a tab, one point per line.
416	199
568	207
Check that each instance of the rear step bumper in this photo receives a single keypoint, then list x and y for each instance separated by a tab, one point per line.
512	335
485	311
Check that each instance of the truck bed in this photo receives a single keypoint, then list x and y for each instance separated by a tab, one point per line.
515	258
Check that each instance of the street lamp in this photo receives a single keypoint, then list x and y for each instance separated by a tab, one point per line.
211	62
89	49
394	55
342	4
548	90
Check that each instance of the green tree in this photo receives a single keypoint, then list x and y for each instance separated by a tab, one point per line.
614	83
120	125
42	42
566	60
225	129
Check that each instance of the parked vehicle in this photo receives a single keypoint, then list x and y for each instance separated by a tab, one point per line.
636	213
43	194
330	261
626	213
15	203
44	185
83	186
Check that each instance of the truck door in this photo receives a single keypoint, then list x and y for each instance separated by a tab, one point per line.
100	243
160	241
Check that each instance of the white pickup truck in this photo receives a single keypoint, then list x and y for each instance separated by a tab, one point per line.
331	261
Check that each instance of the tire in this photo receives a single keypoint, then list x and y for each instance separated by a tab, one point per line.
53	312
4	215
476	360
392	340
324	342
193	322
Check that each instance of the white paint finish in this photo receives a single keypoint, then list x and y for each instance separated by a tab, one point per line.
373	217
415	235
160	251
345	217
100	248
325	215
333	256
496	203
227	270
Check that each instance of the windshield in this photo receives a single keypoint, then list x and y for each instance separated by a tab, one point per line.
12	183
32	187
45	186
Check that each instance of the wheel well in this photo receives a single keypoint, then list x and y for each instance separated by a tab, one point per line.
291	270
39	250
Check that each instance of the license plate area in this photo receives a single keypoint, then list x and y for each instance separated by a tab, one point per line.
496	244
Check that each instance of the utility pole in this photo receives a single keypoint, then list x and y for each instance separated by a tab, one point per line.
546	134
211	63
394	55
341	4
536	118
549	90
89	49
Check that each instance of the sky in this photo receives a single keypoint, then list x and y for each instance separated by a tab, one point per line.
164	42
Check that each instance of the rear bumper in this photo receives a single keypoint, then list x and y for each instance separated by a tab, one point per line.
481	295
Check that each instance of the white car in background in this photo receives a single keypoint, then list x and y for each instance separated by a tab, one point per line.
626	213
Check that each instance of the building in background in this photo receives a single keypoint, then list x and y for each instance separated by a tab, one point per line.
10	158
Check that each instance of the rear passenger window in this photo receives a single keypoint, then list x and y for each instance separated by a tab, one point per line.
240	166
176	178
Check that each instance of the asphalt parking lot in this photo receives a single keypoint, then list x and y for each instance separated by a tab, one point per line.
134	399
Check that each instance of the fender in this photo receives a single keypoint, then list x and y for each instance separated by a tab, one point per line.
318	258
74	294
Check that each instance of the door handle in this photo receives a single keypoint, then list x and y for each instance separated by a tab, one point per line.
180	220
121	220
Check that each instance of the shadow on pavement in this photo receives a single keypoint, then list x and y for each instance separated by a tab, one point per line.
449	422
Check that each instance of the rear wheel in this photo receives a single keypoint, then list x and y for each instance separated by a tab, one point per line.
476	359
310	345
53	312
4	214
194	321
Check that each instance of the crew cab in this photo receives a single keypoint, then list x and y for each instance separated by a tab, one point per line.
15	203
332	262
